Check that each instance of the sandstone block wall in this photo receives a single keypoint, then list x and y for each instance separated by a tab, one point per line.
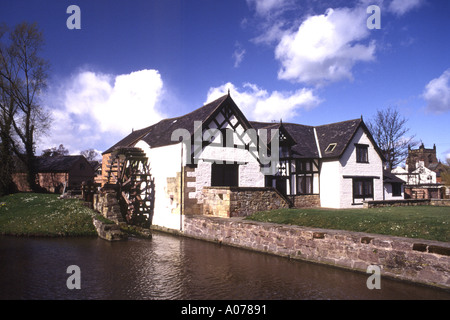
414	260
407	202
108	231
229	202
107	205
307	201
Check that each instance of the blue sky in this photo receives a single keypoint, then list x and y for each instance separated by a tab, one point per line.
313	62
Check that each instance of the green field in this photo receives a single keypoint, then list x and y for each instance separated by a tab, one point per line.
33	214
425	222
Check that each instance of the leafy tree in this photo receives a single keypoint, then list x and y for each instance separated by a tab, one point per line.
389	130
23	75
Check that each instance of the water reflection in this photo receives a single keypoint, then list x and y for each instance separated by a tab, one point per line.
169	267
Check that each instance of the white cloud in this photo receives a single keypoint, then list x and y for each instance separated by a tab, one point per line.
437	93
238	55
325	47
265	7
272	34
117	103
99	109
400	7
259	105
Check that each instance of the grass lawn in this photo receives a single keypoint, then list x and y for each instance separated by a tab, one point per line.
33	214
425	222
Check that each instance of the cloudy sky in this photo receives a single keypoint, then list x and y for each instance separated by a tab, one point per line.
133	63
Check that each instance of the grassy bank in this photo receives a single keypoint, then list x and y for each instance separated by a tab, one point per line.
32	214
425	222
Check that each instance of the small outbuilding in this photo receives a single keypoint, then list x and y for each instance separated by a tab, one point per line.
394	187
55	173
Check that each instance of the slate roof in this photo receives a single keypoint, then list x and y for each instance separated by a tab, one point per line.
160	133
304	143
57	164
389	177
305	146
340	133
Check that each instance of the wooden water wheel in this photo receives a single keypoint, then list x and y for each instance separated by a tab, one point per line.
129	174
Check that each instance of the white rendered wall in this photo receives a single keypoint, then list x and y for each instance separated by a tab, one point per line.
250	174
330	184
165	162
388	193
349	167
249	170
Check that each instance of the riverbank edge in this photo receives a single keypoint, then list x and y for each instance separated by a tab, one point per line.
417	261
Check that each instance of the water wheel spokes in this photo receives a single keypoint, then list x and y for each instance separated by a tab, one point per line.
129	174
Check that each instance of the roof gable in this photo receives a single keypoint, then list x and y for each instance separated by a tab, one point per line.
160	134
389	177
338	133
341	134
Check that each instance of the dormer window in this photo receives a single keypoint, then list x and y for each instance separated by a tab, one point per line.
330	147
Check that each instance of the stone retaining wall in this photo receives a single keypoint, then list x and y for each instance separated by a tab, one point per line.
407	202
109	231
229	202
421	261
107	205
395	203
306	201
440	202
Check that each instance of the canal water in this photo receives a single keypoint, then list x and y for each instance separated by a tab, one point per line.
168	267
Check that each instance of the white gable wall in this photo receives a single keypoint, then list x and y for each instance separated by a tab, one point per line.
336	183
349	167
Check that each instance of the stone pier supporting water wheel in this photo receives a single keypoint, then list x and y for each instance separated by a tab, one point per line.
129	176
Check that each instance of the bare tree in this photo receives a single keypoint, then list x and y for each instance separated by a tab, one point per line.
6	145
389	130
90	154
23	75
55	152
7	111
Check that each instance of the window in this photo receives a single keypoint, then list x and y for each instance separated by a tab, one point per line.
330	147
362	154
396	189
224	175
362	188
306	170
305	184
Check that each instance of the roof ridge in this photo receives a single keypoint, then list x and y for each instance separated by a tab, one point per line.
186	114
305	125
339	122
204	105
